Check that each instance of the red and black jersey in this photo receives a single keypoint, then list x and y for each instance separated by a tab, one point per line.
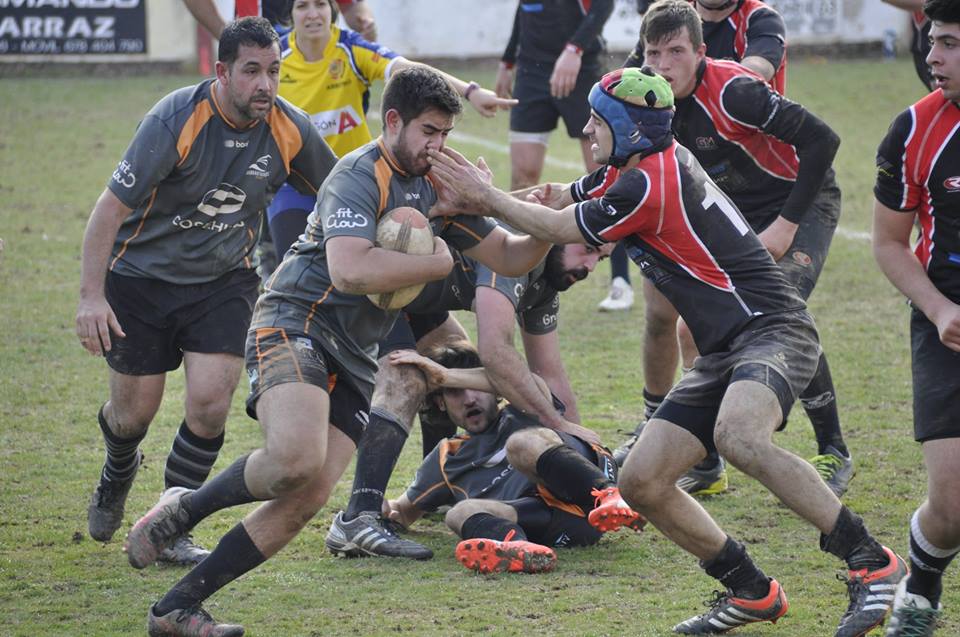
768	154
754	29
542	28
918	171
690	240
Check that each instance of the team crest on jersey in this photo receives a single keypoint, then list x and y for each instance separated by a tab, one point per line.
286	78
336	69
706	143
259	168
952	184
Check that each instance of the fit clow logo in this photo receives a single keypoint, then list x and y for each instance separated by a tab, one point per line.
225	199
345	218
123	175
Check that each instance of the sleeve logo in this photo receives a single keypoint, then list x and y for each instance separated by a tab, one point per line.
345	218
124	174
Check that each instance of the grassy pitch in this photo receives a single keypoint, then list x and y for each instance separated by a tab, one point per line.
59	143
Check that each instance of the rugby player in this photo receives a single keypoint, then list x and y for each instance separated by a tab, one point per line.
518	489
499	304
919	38
312	349
917	180
167	273
759	347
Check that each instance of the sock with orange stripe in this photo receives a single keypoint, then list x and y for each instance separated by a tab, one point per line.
737	572
571	477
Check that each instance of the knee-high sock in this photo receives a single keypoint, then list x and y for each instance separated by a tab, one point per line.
190	459
927	563
570	476
819	400
377	455
122	457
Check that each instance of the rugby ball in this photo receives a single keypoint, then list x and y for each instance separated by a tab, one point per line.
406	230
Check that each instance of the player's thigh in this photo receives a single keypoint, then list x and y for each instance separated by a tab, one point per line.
936	382
804	259
210	382
661	316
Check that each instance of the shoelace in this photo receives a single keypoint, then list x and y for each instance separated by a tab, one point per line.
854	586
717	599
915	622
187	614
509	535
827	465
600	494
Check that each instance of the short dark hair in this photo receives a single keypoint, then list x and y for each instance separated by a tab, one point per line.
416	89
286	16
249	31
456	355
666	18
942	10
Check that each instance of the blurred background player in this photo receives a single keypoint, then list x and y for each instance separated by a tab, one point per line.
499	304
773	158
356	13
518	489
919	38
327	71
917	180
168	255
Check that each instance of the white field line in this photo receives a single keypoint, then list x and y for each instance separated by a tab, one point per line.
503	149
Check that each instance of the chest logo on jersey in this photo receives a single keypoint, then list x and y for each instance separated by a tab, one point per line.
345	218
411	195
286	78
337	122
336	69
225	199
952	184
235	143
260	168
706	143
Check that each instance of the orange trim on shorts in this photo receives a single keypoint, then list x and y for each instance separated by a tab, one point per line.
313	308
286	135
195	123
143	220
331	382
554	503
267	358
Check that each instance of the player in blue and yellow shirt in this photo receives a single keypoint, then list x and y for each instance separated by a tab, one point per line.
327	71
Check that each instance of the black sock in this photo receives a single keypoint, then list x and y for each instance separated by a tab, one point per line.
570	476
819	400
737	572
235	555
377	455
650	403
191	458
435	425
710	462
227	489
927	564
850	541
122	455
489	526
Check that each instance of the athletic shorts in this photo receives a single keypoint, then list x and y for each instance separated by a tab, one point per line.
936	382
803	261
163	320
781	351
538	111
275	357
410	328
551	522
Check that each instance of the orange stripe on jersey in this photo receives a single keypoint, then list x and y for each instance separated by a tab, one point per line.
313	308
447	447
383	173
286	135
389	157
146	211
188	134
465	229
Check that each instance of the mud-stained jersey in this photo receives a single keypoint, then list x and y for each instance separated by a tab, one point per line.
300	296
692	243
334	91
918	172
198	185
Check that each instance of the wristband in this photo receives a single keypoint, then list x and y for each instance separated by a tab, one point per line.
573	48
506	65
471	87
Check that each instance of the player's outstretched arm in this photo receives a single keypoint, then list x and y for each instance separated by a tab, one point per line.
891	248
357	266
439	376
95	319
484	101
553	195
470	193
544	360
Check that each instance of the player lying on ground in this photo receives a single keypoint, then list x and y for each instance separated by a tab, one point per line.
518	489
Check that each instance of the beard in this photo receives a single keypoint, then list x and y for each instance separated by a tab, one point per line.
249	111
410	162
556	276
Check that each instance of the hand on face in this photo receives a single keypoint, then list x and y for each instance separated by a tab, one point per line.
462	185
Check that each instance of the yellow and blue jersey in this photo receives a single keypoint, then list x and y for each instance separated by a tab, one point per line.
334	91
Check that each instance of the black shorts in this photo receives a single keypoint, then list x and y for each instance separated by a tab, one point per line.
936	382
410	328
538	111
163	320
803	261
781	351
549	521
276	357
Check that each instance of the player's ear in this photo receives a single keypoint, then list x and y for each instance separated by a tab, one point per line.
438	402
392	121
